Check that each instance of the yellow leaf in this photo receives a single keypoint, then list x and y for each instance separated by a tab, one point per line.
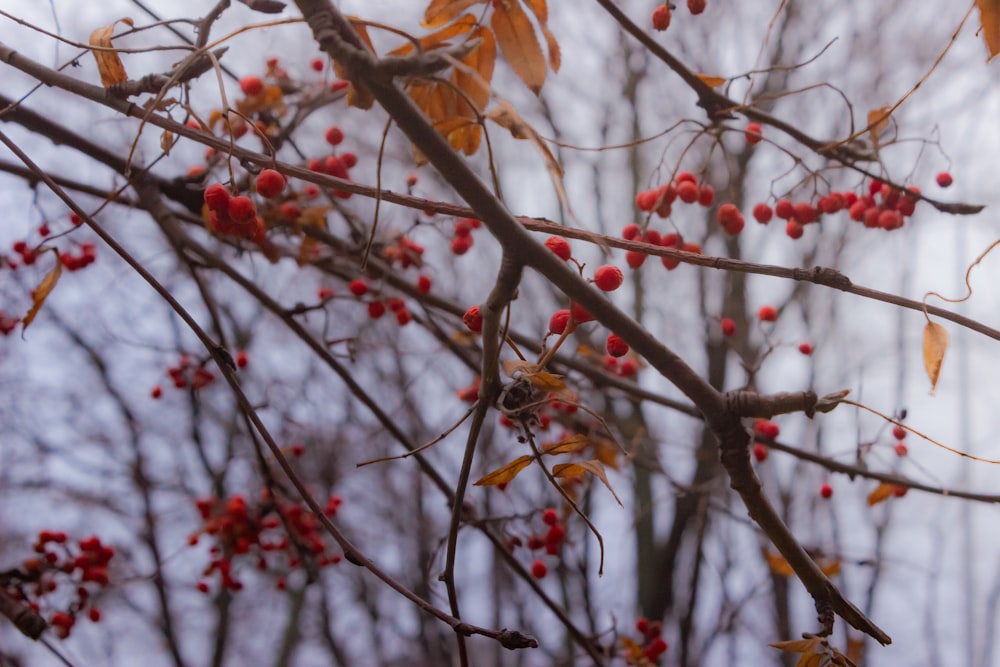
570	445
517	40
878	121
481	61
40	293
547	382
594	467
935	345
505	473
711	81
108	63
779	566
541	12
989	17
882	492
440	12
607	453
313	216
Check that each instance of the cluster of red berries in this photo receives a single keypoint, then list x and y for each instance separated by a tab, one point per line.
234	215
187	374
405	252
684	187
763	429
61	565
662	14
635	259
462	239
87	256
899	433
338	166
270	527
651	642
551	541
376	309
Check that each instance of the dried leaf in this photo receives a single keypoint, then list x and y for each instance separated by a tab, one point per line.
513	366
308	251
606	452
108	63
40	293
436	38
935	345
547	382
481	61
882	492
313	216
505	473
711	81
570	445
989	17
594	467
541	12
359	97
778	565
878	121
166	141
440	12
506	116
517	40
633	652
816	652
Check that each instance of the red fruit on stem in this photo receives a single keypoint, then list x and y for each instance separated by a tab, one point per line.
762	213
473	319
706	195
423	283
333	135
805	348
358	287
944	179
217	197
784	209
901	449
558	321
270	183
376	309
767	314
728	326
687	192
753	133
251	85
156	391
550	517
696	6
559	246
899	433
539	569
608	277
760	452
242	359
317	64
766	428
661	18
242	210
616	346
826	490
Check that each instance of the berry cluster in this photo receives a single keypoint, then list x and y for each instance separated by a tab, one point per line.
59	564
265	531
662	14
461	240
338	166
233	215
650	646
187	374
550	540
376	309
766	430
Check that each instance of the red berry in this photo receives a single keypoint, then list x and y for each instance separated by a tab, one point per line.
661	18
376	309
550	517
805	348
753	133
242	210
558	321
706	195
608	277
784	209
43	230
804	213
579	314
642	626
202	586
473	319
333	135
423	283
635	259
826	490
696	6
461	244
899	490
251	85
358	287
687	192
656	648
767	314
317	64
559	246
631	232
94	615
216	197
899	433
156	391
731	219
242	359
766	428
324	293
759	452
539	569
75	219
901	449
794	229
628	368
403	317
616	346
728	326
944	179
270	183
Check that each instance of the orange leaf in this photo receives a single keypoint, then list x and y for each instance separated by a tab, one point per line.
39	294
505	473
481	61
108	63
512	366
517	40
359	97
935	345
878	121
440	12
433	40
594	467
779	566
989	17
711	81
570	445
882	492
541	12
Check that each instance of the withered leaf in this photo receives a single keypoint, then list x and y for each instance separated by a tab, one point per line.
506	473
711	81
570	445
436	38
513	366
40	293
878	121
594	467
989	17
108	63
935	346
439	12
166	141
517	40
882	492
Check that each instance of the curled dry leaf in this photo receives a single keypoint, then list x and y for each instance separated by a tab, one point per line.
506	473
878	122
166	141
711	81
935	346
594	467
882	492
439	12
989	16
40	293
816	652
570	445
108	63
